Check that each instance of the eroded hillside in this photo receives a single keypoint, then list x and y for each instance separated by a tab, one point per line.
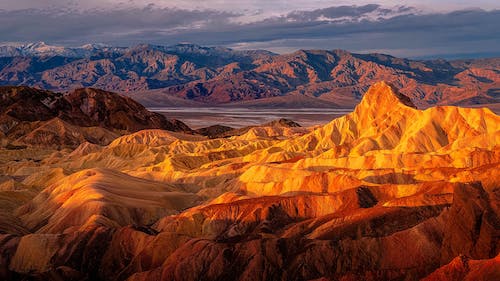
387	192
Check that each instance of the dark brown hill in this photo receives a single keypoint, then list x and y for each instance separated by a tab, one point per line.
42	117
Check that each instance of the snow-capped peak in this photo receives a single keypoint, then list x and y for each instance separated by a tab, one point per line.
43	49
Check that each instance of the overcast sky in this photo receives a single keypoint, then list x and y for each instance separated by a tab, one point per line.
402	28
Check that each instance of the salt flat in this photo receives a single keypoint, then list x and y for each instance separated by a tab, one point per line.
198	117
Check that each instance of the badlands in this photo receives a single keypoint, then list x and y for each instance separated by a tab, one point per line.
101	189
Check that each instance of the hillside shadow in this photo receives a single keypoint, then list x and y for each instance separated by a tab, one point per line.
392	178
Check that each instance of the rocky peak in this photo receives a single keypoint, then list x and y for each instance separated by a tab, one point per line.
382	96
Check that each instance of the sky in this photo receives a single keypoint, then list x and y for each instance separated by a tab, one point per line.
415	29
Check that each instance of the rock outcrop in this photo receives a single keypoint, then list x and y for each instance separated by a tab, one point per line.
36	117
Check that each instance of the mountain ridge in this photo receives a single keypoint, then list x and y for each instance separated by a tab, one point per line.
218	75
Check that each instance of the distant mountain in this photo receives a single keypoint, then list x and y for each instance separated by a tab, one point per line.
42	49
217	75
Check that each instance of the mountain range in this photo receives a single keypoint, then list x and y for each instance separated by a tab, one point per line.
189	74
43	49
386	192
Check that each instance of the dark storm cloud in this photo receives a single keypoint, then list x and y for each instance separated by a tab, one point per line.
468	32
333	12
402	31
465	32
456	25
112	26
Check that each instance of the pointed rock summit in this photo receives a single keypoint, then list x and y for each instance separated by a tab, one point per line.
383	99
383	95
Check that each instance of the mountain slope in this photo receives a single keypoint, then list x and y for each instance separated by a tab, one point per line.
33	116
217	75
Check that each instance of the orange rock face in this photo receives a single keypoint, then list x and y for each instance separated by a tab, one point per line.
387	192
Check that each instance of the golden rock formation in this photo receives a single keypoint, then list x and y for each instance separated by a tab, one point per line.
387	192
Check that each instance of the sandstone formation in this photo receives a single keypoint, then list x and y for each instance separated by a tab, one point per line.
218	131
387	192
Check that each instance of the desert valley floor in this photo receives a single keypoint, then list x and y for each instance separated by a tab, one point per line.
199	117
99	188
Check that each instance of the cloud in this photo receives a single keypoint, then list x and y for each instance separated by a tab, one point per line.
399	30
467	32
333	13
126	25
